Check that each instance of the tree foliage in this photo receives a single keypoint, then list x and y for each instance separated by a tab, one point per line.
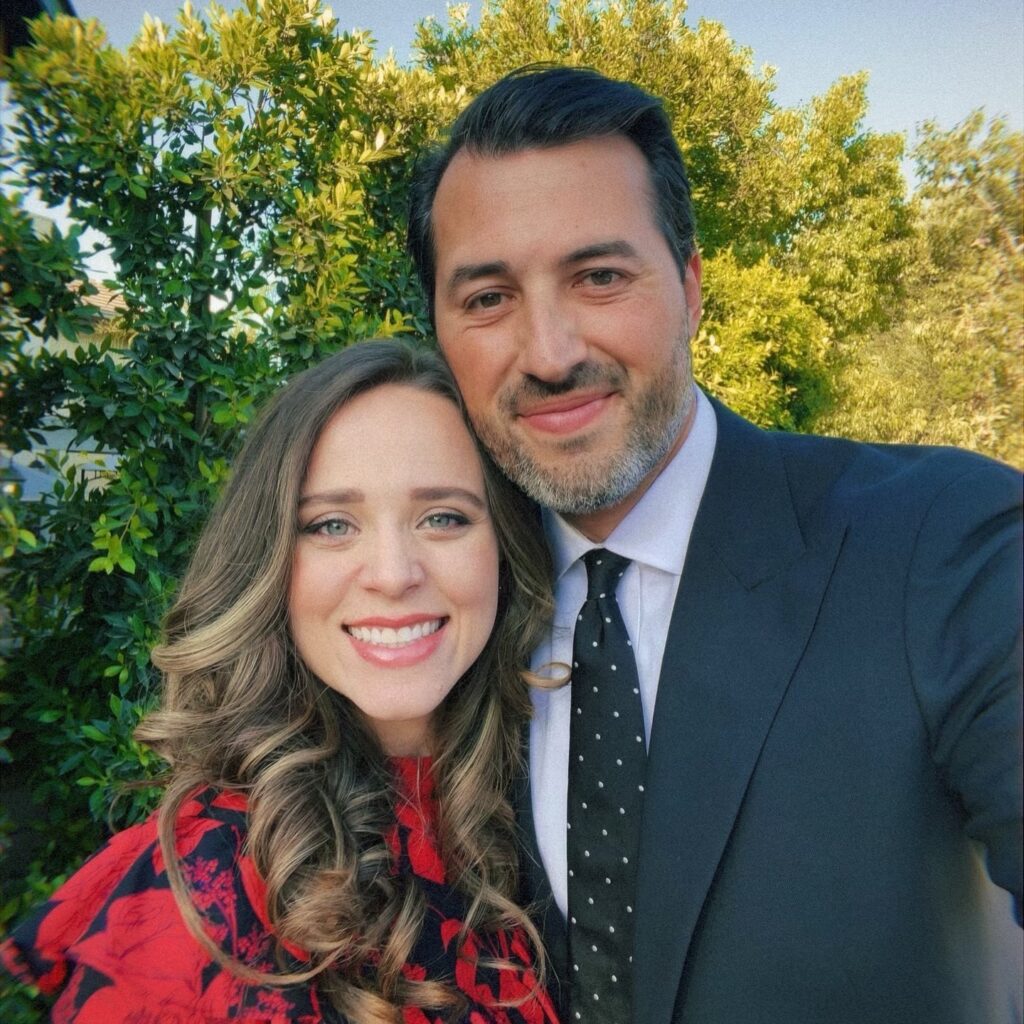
249	173
761	349
950	369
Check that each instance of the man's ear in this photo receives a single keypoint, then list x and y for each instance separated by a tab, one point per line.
692	292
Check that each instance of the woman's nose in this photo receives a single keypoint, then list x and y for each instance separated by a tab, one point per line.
393	565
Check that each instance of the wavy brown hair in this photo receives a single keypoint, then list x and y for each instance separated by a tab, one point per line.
241	711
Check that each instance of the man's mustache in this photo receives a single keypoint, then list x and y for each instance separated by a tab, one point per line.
582	376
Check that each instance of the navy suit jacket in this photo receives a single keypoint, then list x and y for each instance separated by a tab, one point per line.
832	819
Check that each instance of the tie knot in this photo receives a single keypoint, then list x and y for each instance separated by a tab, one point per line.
604	570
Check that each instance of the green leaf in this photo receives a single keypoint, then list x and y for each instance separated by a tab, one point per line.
27	297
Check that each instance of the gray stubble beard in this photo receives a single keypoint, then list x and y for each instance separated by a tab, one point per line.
580	486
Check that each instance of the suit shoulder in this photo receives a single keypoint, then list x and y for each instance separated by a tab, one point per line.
892	481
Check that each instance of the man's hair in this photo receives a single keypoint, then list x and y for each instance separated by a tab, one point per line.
542	106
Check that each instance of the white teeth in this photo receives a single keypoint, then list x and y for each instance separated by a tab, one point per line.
384	636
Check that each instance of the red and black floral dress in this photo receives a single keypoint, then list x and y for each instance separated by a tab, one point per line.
112	942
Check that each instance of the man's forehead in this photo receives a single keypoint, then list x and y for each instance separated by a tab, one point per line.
485	161
594	194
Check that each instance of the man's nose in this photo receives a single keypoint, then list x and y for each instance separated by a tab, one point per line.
393	565
550	343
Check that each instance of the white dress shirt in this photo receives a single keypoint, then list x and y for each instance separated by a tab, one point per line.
654	535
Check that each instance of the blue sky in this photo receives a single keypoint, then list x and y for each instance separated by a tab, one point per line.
927	58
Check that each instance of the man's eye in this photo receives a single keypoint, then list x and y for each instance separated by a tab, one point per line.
602	278
486	300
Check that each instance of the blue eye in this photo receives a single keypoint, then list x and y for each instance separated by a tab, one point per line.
328	528
445	520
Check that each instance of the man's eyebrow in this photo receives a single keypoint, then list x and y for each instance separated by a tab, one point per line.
343	497
473	272
497	268
597	251
446	493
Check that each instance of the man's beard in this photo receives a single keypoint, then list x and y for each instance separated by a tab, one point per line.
580	483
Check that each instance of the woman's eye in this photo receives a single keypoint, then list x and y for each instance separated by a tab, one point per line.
328	528
445	520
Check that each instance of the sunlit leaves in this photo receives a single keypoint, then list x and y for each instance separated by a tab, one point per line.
951	368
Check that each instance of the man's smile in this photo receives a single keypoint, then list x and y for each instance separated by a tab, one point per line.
566	413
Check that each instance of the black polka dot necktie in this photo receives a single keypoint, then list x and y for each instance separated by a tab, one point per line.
607	765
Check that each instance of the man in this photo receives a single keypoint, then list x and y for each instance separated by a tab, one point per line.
826	634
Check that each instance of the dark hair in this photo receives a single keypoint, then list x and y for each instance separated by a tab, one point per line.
542	106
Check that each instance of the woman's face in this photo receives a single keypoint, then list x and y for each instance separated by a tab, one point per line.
394	583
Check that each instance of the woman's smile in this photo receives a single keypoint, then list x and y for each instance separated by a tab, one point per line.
395	571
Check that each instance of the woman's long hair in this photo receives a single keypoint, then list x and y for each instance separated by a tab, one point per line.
241	711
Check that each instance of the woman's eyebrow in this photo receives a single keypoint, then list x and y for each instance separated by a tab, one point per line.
345	497
352	496
446	493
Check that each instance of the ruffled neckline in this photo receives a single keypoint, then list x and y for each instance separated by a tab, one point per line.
413	840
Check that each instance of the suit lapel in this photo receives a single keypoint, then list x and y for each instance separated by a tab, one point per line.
751	589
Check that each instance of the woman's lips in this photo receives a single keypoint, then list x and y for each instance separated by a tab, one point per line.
396	646
571	414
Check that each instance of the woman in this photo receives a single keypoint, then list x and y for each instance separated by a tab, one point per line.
342	712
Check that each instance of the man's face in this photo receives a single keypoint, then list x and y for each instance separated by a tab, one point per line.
566	322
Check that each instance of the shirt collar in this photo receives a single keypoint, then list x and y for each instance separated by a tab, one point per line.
656	531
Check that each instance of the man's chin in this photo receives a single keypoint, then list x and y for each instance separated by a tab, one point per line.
569	487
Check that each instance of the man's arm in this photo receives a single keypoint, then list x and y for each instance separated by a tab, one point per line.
964	647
